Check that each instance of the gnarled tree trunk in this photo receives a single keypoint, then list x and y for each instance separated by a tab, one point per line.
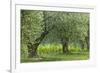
32	48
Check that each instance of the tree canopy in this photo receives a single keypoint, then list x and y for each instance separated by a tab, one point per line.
53	26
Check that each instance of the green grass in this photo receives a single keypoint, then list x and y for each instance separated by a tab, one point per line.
59	57
54	53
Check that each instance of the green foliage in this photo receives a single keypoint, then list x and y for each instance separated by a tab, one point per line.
71	25
31	22
24	51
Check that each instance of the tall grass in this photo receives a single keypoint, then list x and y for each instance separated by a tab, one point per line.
56	49
49	49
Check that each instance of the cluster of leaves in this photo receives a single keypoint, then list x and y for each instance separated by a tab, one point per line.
31	22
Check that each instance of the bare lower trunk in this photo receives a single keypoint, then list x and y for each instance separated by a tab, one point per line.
82	44
87	42
65	45
65	48
32	49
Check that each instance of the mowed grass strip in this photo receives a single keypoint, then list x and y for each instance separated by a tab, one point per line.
58	57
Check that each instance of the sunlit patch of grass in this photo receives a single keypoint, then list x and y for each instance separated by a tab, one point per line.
49	49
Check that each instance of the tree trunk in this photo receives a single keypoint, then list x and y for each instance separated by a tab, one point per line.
64	42
32	48
87	42
82	44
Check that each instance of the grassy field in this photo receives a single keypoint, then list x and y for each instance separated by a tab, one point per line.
54	53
